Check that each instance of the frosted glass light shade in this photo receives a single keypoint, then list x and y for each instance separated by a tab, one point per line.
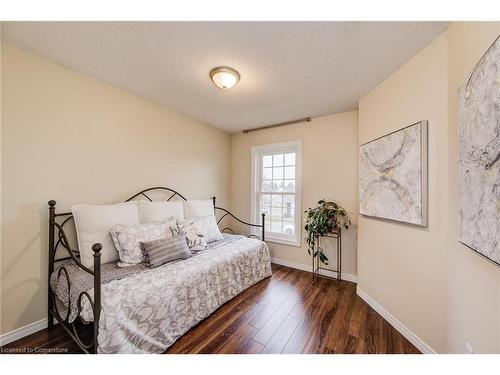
224	77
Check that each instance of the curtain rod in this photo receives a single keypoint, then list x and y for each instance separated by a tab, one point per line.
305	119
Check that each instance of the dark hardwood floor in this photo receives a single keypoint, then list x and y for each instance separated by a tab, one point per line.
283	314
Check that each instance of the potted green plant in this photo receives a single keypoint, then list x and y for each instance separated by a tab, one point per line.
328	217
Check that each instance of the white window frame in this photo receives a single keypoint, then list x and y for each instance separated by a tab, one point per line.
257	151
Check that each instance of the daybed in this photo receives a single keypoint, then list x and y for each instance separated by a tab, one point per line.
139	309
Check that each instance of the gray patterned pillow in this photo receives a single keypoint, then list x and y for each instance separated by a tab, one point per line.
207	225
127	239
194	237
165	250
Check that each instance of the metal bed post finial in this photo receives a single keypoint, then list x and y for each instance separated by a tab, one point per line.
97	292
213	199
52	215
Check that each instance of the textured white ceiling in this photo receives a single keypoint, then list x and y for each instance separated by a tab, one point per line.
288	70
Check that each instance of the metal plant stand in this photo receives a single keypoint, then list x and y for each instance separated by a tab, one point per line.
316	263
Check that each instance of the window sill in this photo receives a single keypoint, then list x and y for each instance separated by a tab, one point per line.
280	241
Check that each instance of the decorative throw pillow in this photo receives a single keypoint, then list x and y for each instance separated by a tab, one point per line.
93	224
194	237
127	239
165	250
207	225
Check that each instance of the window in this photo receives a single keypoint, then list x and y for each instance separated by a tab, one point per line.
276	190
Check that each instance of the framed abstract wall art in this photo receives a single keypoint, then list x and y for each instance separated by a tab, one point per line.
479	153
393	176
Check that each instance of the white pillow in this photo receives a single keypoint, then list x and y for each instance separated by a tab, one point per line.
93	224
128	238
208	227
198	208
154	212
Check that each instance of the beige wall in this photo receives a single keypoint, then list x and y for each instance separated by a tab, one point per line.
76	140
441	290
473	282
71	138
329	170
403	267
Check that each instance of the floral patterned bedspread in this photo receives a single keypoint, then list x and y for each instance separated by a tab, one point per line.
82	281
149	311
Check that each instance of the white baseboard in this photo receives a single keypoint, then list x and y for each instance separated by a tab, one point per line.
307	267
19	333
400	327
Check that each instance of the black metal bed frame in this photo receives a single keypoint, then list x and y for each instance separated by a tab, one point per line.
58	239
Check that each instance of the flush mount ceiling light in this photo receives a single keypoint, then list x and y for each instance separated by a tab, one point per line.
224	77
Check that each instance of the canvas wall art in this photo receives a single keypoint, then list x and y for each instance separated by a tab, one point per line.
479	153
393	176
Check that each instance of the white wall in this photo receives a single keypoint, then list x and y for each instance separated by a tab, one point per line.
71	138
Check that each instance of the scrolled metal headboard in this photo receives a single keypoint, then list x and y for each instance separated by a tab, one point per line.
67	217
143	193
